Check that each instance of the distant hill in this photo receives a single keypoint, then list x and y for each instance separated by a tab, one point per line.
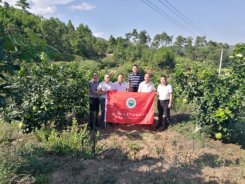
99	38
230	48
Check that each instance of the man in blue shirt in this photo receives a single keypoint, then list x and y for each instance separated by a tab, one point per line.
134	79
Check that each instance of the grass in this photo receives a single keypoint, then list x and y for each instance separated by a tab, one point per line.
6	133
30	162
187	128
172	155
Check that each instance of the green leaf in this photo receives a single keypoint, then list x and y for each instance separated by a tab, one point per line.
49	53
2	101
42	42
34	38
8	44
4	78
37	59
54	49
25	57
2	55
8	68
34	52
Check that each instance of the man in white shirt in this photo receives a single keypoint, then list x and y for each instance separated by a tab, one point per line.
147	85
165	97
103	87
120	85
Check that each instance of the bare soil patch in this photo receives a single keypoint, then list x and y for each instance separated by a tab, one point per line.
140	154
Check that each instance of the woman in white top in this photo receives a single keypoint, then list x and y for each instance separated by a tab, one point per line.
165	97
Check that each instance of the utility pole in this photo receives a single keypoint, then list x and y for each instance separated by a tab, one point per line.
220	61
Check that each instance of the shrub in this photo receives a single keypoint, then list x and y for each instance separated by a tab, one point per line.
47	95
218	98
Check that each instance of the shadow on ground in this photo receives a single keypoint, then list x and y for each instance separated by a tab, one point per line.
116	169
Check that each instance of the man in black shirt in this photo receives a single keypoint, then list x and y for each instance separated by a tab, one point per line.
134	79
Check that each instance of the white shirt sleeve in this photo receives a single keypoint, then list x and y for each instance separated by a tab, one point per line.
127	87
153	88
158	89
99	86
113	87
139	90
170	89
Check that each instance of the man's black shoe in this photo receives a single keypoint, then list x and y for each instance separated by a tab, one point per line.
111	124
93	129
167	124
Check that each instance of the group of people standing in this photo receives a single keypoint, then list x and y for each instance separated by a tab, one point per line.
136	83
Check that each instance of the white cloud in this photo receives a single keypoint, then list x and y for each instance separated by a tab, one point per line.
82	6
46	8
98	34
50	10
76	17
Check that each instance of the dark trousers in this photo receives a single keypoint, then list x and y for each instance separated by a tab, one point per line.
162	106
94	111
102	117
134	89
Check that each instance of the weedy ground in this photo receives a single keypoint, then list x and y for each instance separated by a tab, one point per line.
123	154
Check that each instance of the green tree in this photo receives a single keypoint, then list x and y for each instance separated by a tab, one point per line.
13	50
70	26
179	44
162	40
23	4
111	44
143	37
189	41
100	47
135	35
164	58
200	41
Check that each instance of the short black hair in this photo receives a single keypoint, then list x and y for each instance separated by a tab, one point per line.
120	74
135	65
96	73
164	76
107	74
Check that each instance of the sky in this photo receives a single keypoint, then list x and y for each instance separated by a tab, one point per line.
218	20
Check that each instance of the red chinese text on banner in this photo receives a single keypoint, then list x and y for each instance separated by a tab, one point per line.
130	107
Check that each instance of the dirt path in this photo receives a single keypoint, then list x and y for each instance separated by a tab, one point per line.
140	154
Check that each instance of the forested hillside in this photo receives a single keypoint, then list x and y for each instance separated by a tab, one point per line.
155	53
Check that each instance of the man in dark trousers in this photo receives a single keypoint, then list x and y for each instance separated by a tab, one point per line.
102	88
94	101
165	97
134	79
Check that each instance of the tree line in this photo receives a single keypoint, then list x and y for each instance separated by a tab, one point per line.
158	52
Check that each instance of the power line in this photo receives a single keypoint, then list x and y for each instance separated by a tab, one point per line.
187	19
173	21
181	18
